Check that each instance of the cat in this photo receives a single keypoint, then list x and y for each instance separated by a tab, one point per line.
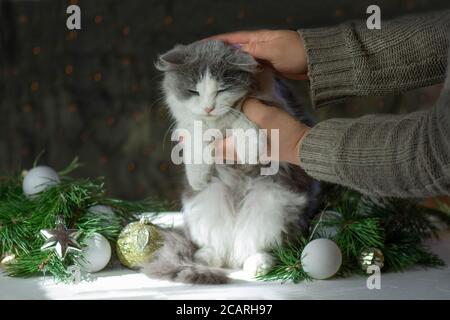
233	215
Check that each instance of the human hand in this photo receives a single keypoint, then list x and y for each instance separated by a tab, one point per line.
291	131
283	50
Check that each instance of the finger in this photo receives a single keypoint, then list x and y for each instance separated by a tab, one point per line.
233	37
225	150
260	50
254	110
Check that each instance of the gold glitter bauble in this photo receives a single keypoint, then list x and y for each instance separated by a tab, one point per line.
370	257
137	242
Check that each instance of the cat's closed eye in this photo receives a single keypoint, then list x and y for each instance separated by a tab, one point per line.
222	90
194	92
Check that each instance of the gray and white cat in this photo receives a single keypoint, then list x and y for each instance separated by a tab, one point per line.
233	215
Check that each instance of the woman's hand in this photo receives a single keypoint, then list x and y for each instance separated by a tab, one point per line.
291	131
283	50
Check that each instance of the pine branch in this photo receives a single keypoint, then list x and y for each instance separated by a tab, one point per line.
124	209
14	212
22	218
399	215
287	266
109	227
442	212
397	227
10	185
355	229
36	262
407	252
38	157
357	235
74	165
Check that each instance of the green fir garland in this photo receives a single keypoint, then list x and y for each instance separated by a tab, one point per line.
398	227
395	226
22	218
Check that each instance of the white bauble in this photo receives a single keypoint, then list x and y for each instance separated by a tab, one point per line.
101	210
38	179
96	253
106	214
321	259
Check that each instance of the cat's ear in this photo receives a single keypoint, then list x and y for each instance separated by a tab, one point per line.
245	62
172	59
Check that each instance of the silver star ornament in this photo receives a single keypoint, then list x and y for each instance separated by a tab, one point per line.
60	239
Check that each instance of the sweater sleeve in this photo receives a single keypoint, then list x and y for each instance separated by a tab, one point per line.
351	60
402	156
383	155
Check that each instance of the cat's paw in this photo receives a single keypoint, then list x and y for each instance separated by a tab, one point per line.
208	257
258	264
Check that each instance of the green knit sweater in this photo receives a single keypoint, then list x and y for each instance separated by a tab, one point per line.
384	155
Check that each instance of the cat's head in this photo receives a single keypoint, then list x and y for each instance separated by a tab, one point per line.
206	78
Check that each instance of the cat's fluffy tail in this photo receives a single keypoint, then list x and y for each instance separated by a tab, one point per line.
174	261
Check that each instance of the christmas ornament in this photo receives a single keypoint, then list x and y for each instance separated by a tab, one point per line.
106	214
60	239
326	226
371	257
137	242
321	258
72	197
38	179
6	259
96	254
101	210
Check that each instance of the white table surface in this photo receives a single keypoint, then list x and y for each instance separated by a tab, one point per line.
121	283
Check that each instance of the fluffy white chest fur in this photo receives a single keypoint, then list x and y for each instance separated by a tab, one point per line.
236	219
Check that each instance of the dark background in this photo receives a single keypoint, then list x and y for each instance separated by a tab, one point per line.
95	94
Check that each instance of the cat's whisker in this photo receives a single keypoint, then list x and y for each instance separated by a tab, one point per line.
155	77
166	133
158	100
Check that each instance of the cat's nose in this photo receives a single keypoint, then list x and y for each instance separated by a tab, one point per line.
208	109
